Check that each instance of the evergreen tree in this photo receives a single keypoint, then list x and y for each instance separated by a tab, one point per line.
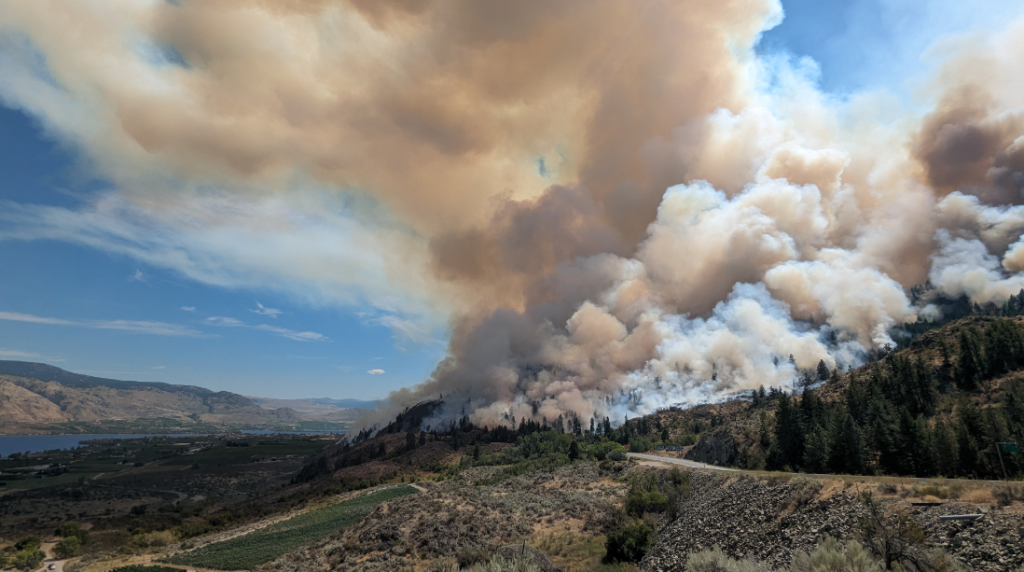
947	457
816	452
822	370
765	435
969	366
574	451
789	434
847	449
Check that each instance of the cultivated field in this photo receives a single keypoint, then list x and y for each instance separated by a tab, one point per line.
247	552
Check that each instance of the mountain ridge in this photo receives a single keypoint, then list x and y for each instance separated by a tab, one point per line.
40	397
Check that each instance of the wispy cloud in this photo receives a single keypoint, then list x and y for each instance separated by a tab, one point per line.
225	322
292	334
406	329
283	332
5	353
375	371
265	311
139	277
159	367
189	308
134	326
20	355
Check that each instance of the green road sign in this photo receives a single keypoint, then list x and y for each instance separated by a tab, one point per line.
1010	447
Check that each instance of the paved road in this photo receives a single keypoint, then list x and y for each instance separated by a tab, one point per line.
870	478
683	462
58	565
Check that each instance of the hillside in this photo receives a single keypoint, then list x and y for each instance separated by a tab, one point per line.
941	406
34	397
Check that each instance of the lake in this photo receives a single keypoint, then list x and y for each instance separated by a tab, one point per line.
35	443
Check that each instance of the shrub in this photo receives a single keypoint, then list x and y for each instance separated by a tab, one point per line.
803	492
72	528
29	559
715	560
603	449
155	539
29	542
639	502
628	543
470	556
499	564
67	547
192	527
830	555
1007	494
934	491
895	539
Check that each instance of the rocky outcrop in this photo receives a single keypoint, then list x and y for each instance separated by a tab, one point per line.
771	519
716	447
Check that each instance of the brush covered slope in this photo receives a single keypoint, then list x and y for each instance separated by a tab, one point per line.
951	403
38	397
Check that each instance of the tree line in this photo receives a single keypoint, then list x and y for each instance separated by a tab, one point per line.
906	416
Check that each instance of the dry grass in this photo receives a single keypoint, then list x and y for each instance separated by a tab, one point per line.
979	496
575	552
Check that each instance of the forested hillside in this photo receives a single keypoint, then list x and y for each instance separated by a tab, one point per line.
951	404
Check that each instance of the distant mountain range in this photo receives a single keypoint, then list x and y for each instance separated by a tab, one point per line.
346	403
40	397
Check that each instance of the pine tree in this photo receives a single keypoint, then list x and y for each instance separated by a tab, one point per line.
574	451
816	453
765	435
947	457
822	370
789	436
969	366
847	448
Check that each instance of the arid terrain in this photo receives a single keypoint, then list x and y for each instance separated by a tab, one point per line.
38	398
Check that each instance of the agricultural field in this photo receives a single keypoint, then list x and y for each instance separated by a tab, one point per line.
247	552
146	569
105	482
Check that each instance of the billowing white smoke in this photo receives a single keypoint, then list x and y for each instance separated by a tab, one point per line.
726	294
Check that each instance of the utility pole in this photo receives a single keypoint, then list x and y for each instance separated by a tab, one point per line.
1010	448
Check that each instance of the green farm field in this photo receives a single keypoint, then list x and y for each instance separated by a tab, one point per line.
249	551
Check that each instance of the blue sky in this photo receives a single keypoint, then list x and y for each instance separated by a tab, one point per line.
91	289
109	312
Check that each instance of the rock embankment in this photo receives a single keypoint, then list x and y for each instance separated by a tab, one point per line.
771	519
717	447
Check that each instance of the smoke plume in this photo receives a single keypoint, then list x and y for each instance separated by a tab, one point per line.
615	206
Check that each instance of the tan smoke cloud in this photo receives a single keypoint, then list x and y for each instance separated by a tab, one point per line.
602	196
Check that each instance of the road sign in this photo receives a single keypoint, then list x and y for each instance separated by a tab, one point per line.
1010	447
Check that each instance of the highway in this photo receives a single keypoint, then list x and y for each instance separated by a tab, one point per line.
683	462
